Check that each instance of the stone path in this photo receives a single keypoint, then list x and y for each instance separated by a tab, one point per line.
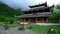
47	24
16	31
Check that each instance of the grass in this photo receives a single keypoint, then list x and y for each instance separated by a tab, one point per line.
45	29
1	24
12	25
9	25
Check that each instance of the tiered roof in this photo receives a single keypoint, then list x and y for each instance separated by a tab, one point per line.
43	4
37	7
45	14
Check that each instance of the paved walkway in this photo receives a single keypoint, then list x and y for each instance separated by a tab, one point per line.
16	31
47	24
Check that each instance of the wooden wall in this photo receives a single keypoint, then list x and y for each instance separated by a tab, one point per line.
42	20
38	20
24	20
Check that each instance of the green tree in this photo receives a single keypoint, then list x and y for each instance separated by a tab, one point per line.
8	11
7	14
10	20
55	16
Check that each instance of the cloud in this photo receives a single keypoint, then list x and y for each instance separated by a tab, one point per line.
24	4
16	4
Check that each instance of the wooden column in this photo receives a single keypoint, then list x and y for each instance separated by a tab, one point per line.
42	20
36	20
24	20
29	20
47	20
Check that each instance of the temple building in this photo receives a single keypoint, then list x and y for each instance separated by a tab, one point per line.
37	14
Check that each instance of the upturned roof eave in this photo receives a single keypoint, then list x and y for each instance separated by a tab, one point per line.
34	15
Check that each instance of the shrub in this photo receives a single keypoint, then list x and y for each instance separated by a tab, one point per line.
30	27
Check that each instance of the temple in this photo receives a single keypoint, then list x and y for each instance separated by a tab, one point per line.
37	14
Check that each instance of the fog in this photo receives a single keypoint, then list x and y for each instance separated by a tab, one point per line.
24	4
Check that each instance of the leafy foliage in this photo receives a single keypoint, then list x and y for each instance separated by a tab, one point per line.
55	16
8	11
7	14
58	6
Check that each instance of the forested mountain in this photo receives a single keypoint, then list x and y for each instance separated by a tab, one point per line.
7	13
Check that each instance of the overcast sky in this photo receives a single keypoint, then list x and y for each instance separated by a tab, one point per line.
23	4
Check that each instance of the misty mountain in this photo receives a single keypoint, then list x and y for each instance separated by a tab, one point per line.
8	11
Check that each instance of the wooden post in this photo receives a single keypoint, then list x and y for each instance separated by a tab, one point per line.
24	20
42	20
29	20
47	20
36	20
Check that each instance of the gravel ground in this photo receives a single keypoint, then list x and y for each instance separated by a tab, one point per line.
16	31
